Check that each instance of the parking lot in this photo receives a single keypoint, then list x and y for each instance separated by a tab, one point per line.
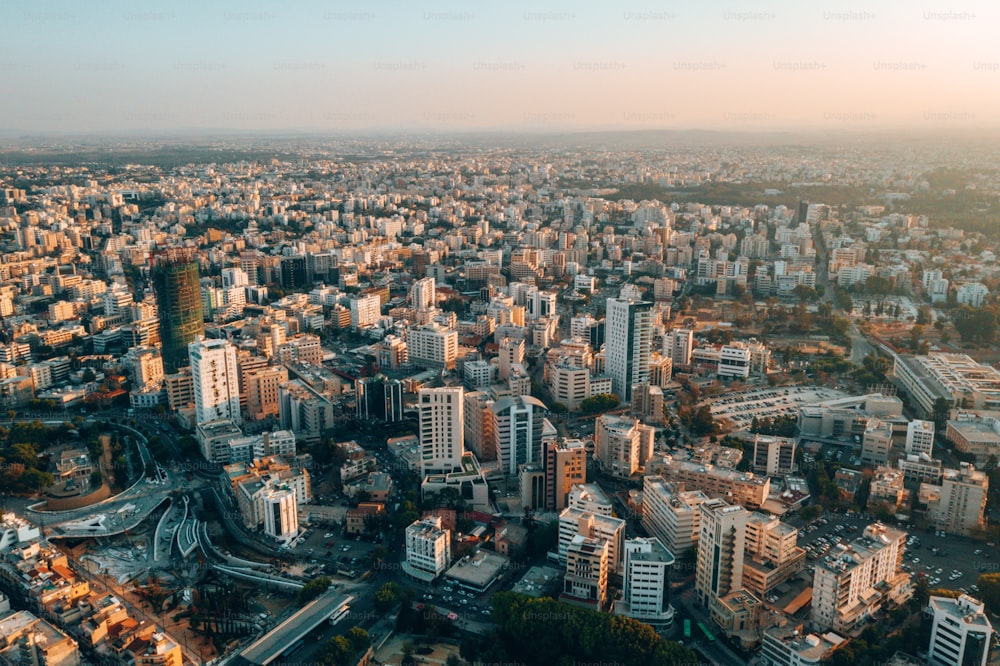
459	601
327	545
739	409
949	562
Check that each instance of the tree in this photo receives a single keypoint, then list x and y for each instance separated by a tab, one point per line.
702	423
313	589
598	404
941	412
386	597
989	591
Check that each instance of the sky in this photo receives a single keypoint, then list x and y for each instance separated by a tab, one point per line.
302	65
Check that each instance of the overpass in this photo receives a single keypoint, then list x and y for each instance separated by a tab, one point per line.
269	647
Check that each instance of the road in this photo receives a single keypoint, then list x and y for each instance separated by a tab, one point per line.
121	512
716	652
860	347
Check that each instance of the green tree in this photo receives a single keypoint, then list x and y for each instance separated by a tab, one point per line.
940	413
989	591
314	588
598	404
386	597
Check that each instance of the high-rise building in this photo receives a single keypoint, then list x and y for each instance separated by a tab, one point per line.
574	521
422	294
629	344
772	553
961	504
773	456
646	595
678	344
920	438
262	391
517	431
293	272
215	380
855	580
961	634
565	466
365	311
671	515
587	567
479	424
721	544
442	429
622	444
511	354
177	283
432	346
379	399
281	517
305	411
428	549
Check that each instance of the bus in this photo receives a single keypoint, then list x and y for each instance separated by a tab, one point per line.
687	630
292	649
708	634
340	615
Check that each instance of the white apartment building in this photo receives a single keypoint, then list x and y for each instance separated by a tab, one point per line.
790	645
670	515
281	513
961	508
646	593
432	346
876	443
586	580
678	344
622	444
146	365
773	456
574	522
973	294
628	344
855	580
365	311
216	381
428	549
590	497
920	438
478	374
961	634
442	429
423	294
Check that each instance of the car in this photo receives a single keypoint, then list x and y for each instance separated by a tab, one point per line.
487	611
328	535
938	570
464	602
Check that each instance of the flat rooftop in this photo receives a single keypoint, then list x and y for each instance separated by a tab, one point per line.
479	570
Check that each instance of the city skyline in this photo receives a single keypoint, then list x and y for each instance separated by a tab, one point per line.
451	67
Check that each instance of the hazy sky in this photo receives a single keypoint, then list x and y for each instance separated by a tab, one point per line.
309	65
